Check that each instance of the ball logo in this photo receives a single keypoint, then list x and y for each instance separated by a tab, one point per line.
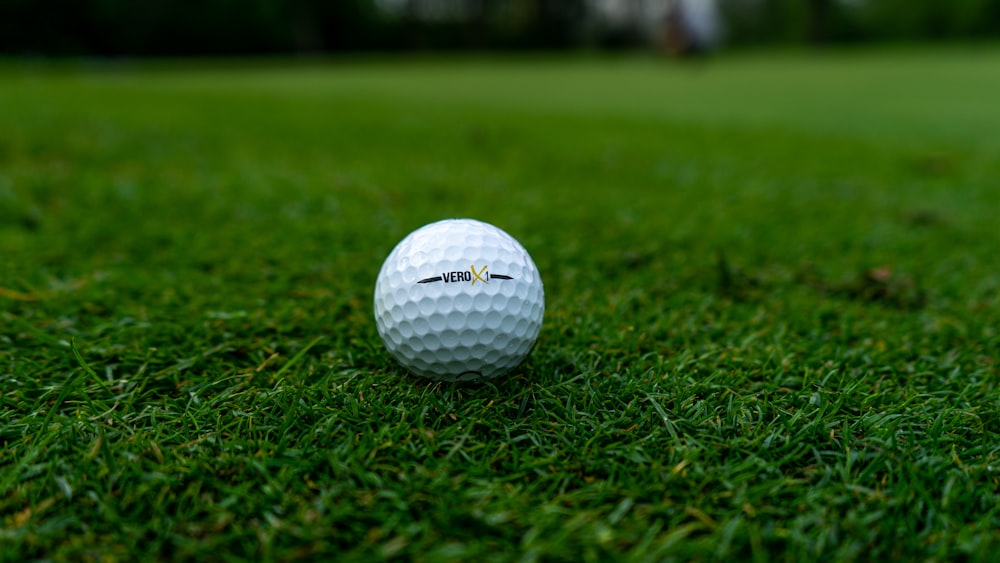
473	275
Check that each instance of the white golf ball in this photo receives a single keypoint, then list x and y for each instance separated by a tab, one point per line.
459	300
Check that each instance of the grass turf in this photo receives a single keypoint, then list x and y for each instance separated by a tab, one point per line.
771	332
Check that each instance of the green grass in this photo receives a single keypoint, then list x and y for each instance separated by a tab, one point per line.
771	333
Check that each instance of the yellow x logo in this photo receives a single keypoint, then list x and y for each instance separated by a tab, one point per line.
478	275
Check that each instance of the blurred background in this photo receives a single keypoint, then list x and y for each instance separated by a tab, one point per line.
310	27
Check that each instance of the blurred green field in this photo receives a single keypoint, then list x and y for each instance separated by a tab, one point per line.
772	283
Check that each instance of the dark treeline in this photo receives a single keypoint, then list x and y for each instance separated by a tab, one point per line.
843	21
226	27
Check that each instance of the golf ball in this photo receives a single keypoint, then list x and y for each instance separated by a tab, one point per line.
459	300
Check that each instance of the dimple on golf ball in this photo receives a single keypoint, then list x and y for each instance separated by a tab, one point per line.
459	299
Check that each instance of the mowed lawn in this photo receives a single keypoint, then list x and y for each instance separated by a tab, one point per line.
771	332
